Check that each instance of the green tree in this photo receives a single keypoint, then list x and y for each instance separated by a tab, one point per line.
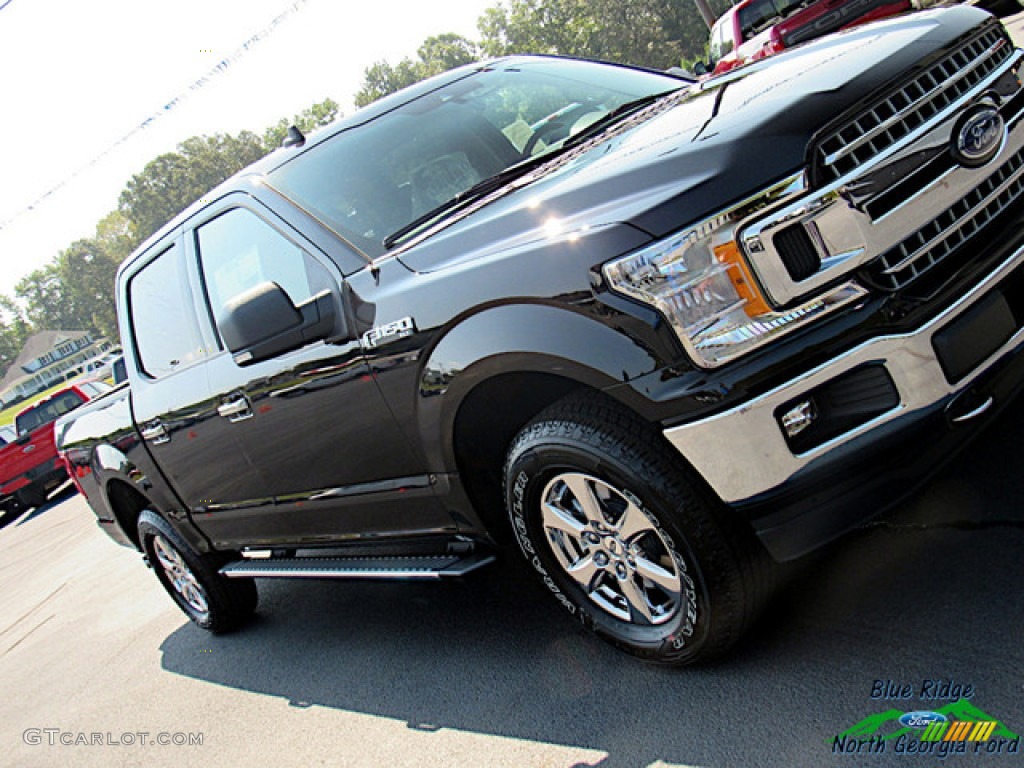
173	181
650	33
447	51
437	54
74	292
114	235
43	294
14	330
309	119
87	272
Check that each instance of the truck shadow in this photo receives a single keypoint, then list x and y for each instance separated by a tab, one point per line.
933	593
23	516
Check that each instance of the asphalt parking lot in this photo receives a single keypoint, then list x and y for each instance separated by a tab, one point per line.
489	672
99	668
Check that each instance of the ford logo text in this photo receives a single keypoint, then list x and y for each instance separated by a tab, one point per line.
921	719
978	136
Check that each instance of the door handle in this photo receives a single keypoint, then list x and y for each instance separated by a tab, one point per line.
156	434
236	410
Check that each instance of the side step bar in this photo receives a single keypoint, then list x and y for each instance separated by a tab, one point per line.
419	567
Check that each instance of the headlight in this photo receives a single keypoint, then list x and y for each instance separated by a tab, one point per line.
701	283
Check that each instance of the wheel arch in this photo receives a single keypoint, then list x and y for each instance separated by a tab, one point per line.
495	370
551	342
127	503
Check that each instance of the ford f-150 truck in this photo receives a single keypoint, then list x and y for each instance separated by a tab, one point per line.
659	334
29	465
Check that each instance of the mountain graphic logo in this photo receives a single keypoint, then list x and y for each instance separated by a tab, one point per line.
963	721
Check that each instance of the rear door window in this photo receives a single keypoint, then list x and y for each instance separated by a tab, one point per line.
167	335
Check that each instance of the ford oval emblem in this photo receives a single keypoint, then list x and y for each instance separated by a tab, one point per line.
921	719
978	136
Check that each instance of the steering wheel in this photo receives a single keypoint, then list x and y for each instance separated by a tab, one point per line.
564	123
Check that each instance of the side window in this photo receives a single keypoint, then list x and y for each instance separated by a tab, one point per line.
721	38
238	251
166	331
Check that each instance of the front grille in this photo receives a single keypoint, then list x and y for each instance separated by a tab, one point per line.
930	244
898	113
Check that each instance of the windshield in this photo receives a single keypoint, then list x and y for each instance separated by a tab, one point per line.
758	16
373	180
47	411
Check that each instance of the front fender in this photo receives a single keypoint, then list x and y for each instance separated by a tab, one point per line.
527	337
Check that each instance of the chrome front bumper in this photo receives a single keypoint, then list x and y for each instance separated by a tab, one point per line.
742	453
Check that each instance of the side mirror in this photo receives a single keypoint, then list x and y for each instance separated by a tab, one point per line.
700	69
262	322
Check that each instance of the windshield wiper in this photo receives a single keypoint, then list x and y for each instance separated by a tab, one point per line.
475	192
617	114
492	183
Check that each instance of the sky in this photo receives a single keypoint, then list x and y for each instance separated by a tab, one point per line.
79	79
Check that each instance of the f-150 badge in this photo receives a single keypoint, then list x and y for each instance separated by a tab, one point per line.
385	334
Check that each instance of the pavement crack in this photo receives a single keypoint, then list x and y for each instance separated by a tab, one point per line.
25	636
31	610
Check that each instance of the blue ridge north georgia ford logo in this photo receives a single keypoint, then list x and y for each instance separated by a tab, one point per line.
978	136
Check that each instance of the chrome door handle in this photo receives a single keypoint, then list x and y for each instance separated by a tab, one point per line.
236	410
156	433
975	412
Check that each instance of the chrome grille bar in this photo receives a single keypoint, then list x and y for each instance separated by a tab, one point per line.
938	238
899	113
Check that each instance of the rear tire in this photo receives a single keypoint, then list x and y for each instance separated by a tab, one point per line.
31	496
214	602
626	536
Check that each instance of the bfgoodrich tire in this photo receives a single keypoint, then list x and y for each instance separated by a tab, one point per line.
212	601
626	537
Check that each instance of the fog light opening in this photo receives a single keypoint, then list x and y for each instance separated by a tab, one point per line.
799	417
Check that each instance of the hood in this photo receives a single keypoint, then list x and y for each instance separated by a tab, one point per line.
721	142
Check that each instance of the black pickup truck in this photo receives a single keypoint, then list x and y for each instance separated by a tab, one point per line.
661	334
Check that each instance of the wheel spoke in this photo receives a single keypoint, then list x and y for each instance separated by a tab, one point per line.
632	523
180	576
167	557
560	520
586	572
193	593
584	494
605	543
667	580
637	600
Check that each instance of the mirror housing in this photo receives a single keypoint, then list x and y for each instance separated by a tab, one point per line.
701	68
262	322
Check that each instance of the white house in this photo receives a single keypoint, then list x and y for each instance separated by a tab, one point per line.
46	359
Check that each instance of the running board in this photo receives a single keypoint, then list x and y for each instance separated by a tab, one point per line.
420	567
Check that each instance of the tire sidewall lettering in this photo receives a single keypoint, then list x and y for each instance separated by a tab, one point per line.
687	619
526	545
688	613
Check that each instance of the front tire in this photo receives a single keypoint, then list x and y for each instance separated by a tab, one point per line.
214	602
627	538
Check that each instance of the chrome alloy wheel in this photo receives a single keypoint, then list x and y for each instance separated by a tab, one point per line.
611	549
180	575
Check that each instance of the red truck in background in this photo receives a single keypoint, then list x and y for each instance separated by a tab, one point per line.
756	29
29	466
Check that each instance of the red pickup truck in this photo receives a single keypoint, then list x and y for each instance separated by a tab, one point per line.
756	29
29	467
